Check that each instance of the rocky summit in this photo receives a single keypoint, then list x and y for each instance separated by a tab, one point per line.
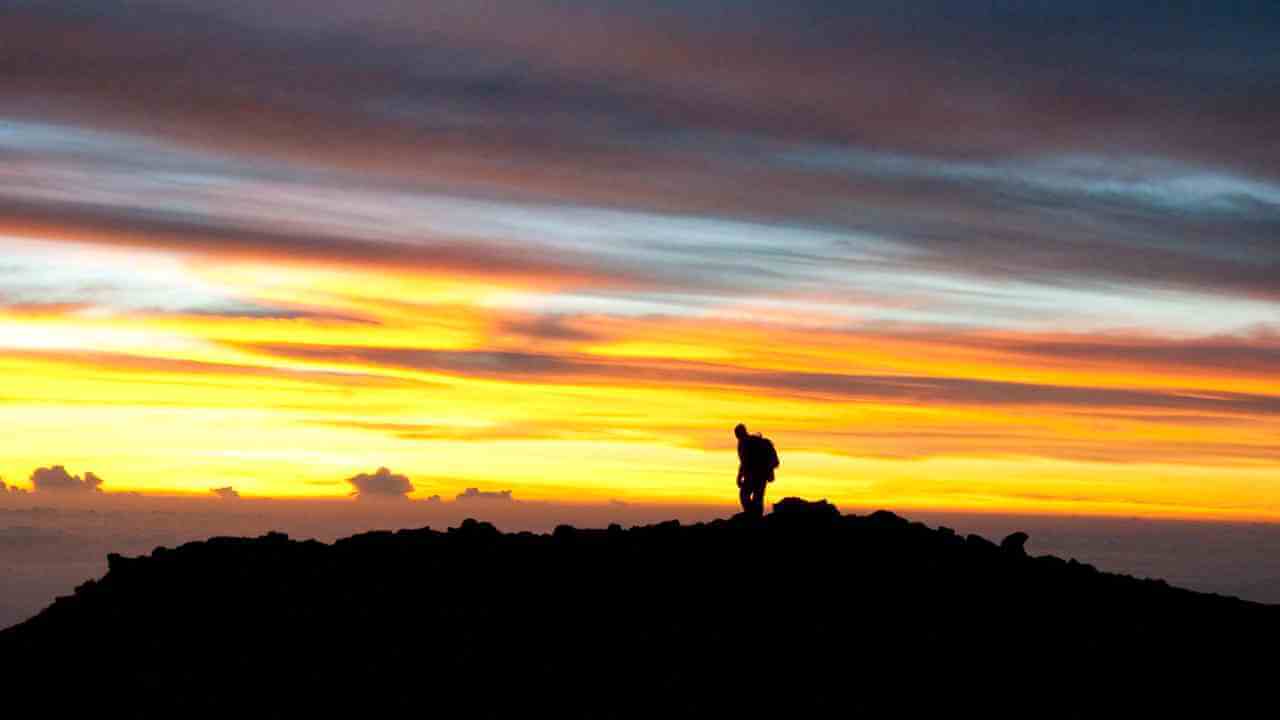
803	613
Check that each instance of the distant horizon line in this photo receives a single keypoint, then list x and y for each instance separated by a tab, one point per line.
85	500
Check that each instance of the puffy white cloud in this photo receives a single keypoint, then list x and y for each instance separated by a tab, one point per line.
57	479
381	485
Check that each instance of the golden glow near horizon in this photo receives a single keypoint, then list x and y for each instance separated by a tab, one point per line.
442	380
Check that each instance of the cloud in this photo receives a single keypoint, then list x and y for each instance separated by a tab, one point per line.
151	365
68	278
480	363
904	389
476	494
125	221
57	479
1084	163
381	485
637	73
548	328
924	390
11	490
1224	354
226	493
418	431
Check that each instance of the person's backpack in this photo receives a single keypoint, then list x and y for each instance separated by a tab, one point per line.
766	454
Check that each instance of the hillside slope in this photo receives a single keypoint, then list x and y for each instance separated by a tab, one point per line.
806	613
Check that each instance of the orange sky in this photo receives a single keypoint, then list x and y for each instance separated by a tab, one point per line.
460	386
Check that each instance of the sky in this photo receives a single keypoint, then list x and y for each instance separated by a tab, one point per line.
948	255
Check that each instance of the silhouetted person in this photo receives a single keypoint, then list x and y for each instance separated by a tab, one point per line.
757	459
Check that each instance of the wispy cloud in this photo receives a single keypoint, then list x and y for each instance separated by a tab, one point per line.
911	389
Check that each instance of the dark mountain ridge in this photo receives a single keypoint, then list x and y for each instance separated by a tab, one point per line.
804	613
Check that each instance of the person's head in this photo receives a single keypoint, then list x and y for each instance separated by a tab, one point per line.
740	431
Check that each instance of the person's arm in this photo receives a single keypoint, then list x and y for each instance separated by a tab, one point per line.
740	474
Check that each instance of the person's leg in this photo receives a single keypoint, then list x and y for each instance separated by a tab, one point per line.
744	496
760	497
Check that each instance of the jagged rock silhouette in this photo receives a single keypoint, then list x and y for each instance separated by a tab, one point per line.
802	613
1014	543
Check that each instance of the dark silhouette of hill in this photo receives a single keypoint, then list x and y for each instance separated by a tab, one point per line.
804	613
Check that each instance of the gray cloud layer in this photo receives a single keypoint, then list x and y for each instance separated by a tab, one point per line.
1077	145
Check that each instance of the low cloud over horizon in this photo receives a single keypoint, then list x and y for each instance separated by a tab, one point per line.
380	485
476	494
56	479
226	493
11	490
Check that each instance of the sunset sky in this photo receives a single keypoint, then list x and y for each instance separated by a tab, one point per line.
1015	256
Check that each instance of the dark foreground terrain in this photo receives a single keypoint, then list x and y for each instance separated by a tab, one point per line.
806	613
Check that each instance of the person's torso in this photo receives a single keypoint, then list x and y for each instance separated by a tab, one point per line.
752	455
